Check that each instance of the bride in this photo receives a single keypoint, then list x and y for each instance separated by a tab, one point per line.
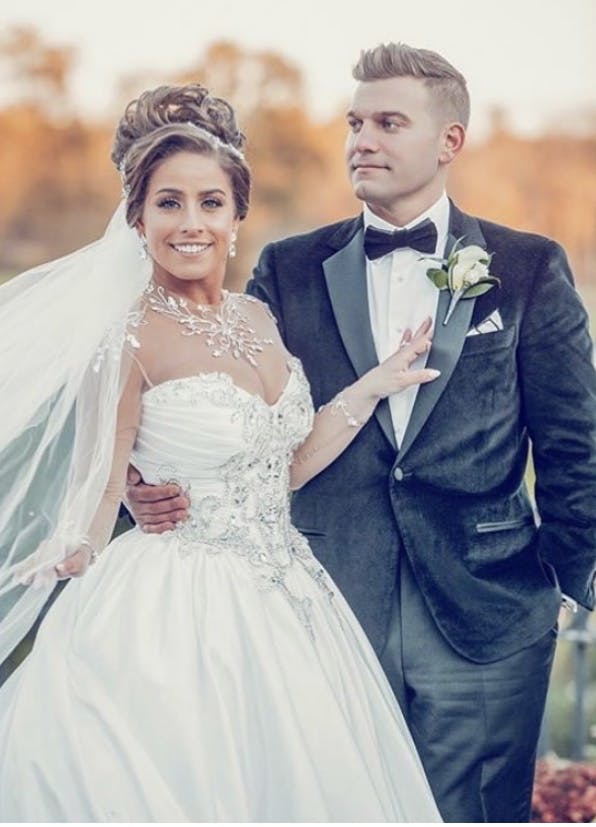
212	673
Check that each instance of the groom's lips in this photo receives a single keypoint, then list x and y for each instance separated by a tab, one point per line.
366	167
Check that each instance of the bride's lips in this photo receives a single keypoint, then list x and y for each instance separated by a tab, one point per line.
190	250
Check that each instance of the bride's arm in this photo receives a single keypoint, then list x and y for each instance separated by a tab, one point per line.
340	420
102	526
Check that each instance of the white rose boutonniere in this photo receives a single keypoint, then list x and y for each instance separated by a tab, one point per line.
465	273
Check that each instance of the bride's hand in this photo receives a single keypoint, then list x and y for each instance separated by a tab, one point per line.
75	565
393	374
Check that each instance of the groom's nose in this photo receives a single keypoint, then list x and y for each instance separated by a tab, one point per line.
366	139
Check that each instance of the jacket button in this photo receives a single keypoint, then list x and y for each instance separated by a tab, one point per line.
398	473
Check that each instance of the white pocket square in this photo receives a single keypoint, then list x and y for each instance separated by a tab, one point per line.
491	324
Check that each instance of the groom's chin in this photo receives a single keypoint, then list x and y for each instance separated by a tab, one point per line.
363	190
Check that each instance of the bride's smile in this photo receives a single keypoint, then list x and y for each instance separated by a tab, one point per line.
190	221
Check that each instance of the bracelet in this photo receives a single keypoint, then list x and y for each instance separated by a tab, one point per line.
339	404
94	552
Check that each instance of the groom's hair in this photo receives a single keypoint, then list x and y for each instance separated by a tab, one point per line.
395	60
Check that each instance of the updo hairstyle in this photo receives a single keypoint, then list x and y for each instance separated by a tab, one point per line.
171	119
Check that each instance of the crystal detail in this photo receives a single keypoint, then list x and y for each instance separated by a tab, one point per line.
226	328
249	515
117	336
339	404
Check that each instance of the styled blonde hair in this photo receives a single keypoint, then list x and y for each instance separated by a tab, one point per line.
448	87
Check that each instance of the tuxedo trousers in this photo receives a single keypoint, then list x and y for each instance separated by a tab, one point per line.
476	725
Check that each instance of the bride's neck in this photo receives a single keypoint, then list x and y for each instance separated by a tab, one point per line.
194	291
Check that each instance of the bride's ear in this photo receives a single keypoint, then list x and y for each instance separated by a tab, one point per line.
144	249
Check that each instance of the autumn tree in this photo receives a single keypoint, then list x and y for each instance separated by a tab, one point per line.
63	187
51	161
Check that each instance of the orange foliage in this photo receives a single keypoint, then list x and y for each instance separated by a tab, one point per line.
62	187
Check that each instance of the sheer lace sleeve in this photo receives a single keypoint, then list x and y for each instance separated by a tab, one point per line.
335	426
337	423
129	412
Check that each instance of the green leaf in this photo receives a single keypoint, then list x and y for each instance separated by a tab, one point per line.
478	289
438	277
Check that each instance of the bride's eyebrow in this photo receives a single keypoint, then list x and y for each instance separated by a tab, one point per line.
202	193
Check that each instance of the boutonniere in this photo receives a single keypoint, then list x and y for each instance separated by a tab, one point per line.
465	273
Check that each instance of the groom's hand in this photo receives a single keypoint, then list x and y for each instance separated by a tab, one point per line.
155	508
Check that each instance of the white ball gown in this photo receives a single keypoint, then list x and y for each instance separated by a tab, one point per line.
213	673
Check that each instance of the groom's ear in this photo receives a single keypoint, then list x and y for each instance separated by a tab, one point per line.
453	137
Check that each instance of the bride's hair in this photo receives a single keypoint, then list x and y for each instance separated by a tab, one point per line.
170	119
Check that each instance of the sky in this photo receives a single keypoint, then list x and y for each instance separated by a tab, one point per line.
534	57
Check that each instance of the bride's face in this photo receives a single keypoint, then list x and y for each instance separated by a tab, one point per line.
189	220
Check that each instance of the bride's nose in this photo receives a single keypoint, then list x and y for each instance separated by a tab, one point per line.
192	220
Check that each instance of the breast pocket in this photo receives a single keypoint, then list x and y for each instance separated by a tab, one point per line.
484	380
486	343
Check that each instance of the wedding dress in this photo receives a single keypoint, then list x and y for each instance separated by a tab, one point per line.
214	672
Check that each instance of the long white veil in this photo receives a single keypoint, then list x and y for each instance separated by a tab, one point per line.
63	330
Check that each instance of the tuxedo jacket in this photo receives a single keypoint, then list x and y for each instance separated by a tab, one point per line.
452	496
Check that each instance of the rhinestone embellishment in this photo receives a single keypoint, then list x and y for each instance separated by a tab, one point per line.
226	328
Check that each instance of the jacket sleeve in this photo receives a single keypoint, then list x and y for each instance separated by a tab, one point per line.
558	384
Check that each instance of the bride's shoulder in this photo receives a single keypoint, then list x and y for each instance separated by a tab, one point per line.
253	305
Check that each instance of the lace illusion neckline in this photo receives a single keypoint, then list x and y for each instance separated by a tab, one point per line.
211	375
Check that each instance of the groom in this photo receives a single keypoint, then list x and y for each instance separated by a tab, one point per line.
425	521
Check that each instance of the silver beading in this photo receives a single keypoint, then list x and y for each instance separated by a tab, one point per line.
338	403
225	327
215	139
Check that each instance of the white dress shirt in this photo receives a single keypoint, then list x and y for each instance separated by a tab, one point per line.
400	296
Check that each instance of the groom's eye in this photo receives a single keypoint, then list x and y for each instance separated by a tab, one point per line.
354	125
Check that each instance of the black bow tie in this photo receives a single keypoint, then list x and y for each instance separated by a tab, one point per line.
422	237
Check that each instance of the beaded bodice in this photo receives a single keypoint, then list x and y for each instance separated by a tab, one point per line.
231	452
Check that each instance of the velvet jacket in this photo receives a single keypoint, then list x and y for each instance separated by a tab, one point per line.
452	496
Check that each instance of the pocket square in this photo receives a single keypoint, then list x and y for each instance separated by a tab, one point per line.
491	324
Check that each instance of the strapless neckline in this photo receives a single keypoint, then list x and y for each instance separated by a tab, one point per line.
292	364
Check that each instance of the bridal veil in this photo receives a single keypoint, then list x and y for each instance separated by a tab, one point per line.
64	327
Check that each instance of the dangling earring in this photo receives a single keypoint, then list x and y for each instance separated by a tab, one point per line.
233	246
144	251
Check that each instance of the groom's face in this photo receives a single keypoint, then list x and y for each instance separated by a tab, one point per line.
395	145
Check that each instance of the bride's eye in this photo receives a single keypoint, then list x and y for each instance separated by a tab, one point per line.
212	203
168	203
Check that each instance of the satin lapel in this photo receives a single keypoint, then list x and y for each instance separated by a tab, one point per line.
448	340
345	274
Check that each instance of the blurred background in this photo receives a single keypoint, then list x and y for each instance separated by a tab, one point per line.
67	69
